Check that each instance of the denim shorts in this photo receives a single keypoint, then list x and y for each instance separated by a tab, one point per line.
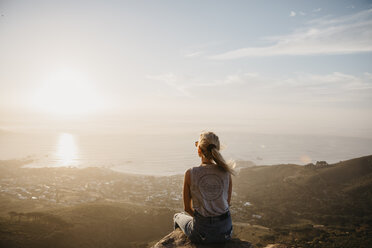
202	229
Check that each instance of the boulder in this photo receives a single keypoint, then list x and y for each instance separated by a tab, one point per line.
178	239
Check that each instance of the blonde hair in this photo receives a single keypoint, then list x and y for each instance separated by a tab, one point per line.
209	144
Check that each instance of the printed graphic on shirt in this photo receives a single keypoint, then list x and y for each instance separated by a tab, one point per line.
210	187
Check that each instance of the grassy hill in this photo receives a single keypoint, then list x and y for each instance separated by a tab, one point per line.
329	204
344	189
87	225
289	204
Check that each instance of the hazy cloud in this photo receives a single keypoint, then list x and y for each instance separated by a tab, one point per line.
297	88
193	54
335	87
292	14
173	81
184	85
344	35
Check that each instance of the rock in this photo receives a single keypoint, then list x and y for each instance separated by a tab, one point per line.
276	246
178	239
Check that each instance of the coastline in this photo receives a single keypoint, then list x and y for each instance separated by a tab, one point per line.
269	204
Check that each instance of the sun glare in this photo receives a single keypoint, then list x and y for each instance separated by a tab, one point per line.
67	93
67	150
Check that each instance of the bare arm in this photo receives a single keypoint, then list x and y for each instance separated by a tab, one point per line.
230	191
187	194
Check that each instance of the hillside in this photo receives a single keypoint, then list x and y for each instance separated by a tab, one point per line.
87	225
325	206
284	204
341	190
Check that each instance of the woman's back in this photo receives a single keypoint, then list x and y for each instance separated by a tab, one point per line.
207	193
209	190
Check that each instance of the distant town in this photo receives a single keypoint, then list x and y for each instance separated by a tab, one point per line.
52	187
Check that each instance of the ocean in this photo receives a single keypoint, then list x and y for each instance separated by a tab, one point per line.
174	153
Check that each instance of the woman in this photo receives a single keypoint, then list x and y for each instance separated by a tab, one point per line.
207	194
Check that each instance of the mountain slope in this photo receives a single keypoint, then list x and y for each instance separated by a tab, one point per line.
88	225
287	192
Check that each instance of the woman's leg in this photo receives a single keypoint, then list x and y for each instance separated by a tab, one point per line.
183	221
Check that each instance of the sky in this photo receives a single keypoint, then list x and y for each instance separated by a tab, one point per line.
293	67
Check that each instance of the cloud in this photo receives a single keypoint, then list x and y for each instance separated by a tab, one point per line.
299	88
173	81
292	14
335	88
185	85
333	103
193	54
317	10
343	35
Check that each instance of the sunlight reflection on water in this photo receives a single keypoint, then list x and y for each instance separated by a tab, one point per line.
173	154
66	150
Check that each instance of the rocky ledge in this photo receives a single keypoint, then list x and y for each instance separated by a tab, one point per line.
178	239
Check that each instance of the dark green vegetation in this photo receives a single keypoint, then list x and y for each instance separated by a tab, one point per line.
288	204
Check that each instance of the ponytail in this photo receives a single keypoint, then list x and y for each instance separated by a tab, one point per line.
210	145
220	161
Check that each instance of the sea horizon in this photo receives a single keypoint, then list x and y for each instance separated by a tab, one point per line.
172	154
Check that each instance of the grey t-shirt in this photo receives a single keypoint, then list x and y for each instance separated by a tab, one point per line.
209	190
